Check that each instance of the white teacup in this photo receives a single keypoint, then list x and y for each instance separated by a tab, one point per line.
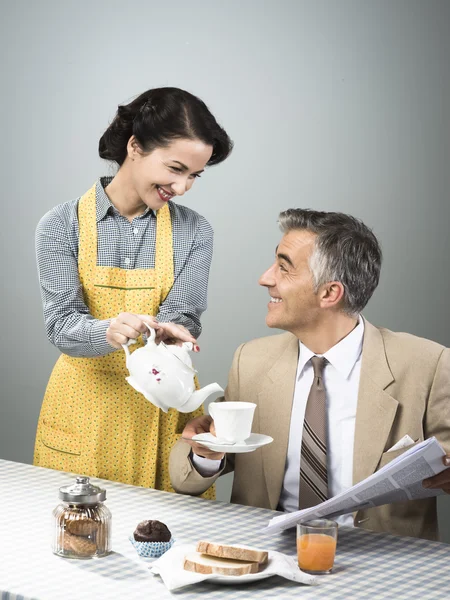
232	420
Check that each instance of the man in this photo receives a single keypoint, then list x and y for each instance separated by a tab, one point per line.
335	392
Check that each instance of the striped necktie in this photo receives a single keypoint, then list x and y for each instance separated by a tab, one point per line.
313	464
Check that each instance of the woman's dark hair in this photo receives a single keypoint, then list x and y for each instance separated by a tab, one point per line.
159	116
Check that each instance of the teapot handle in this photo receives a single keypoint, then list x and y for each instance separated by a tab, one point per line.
125	346
131	341
152	332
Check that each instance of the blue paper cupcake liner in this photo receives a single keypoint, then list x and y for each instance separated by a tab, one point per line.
151	549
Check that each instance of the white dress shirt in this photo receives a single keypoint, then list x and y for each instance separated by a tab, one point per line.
341	380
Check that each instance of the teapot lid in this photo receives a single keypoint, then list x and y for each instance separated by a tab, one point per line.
82	492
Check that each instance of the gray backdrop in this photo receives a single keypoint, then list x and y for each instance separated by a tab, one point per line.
335	105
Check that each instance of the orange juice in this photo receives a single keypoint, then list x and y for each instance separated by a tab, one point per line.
315	551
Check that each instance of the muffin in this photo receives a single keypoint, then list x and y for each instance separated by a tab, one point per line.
151	539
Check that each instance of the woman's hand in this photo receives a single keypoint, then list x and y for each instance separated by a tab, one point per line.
172	333
128	326
203	424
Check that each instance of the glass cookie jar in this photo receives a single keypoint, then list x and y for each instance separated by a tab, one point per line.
82	524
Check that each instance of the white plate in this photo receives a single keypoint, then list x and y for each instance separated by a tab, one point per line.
234	579
256	440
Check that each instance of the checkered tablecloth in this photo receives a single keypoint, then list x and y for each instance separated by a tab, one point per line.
368	565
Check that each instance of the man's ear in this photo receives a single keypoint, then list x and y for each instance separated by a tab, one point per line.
331	294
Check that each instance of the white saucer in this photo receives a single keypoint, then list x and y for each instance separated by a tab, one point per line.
256	440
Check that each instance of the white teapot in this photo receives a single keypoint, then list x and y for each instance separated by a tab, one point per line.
165	376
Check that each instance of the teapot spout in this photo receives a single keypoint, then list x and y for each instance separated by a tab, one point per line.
197	398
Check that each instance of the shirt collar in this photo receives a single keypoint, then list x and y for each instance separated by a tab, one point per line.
103	203
343	356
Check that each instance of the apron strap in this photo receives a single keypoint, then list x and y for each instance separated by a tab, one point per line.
163	250
87	225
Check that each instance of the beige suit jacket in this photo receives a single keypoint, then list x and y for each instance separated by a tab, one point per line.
404	389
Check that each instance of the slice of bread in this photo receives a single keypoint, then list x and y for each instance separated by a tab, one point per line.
202	563
246	553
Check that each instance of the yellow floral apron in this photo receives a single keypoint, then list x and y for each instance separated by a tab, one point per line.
92	421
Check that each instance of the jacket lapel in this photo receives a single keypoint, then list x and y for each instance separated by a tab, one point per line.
375	409
274	406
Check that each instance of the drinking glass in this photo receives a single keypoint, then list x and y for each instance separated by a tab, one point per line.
316	545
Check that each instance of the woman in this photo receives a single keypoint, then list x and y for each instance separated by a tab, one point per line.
122	254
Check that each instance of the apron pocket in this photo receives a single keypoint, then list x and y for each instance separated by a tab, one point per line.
62	441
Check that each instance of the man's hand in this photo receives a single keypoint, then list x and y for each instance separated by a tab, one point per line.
440	481
203	424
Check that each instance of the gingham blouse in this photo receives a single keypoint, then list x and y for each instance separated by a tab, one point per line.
122	244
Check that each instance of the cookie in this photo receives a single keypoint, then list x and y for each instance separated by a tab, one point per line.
84	527
80	545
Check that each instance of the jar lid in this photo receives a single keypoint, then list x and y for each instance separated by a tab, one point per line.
82	492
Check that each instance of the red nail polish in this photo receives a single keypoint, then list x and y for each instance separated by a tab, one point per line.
197	348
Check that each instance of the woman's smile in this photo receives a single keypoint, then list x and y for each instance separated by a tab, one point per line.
164	194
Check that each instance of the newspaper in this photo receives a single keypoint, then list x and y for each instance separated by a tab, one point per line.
398	481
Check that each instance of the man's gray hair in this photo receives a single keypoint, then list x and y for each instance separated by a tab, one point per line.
345	250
